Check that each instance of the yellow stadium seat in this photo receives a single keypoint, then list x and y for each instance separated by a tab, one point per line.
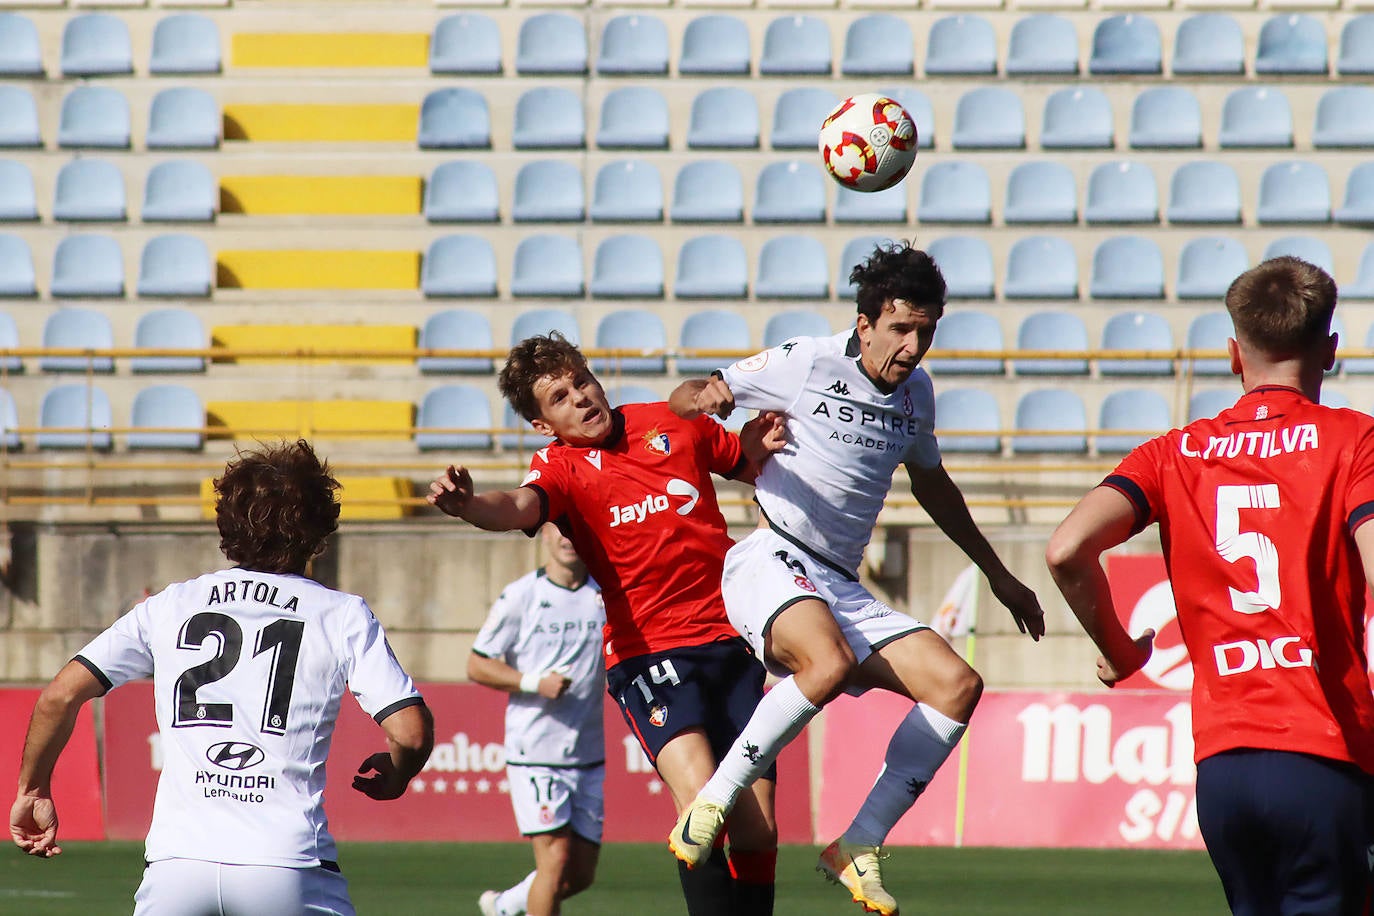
330	49
372	420
291	338
318	269
360	498
291	122
321	195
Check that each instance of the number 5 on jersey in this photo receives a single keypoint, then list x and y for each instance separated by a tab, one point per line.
1234	544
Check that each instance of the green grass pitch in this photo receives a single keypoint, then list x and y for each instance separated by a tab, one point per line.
421	878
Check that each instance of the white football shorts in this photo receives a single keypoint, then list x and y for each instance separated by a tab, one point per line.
191	887
547	798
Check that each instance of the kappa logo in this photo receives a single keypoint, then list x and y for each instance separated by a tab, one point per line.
543	605
907	407
787	347
838	387
235	755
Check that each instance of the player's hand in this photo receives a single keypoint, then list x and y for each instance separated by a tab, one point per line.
381	786
33	826
762	436
451	491
1111	675
554	684
1021	601
715	397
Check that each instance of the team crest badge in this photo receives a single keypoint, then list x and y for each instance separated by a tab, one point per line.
656	441
545	815
804	583
658	715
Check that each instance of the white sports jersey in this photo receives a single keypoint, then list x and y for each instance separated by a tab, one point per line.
248	671
825	488
538	625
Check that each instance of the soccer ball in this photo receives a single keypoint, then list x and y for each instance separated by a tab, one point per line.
868	143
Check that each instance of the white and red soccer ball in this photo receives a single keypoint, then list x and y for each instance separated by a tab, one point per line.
868	143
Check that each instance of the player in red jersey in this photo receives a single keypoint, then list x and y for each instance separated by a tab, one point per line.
631	487
1261	512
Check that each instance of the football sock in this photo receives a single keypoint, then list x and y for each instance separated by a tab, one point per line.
514	900
754	873
708	888
780	716
919	745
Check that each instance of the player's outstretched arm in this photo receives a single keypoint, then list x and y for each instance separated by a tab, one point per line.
495	673
697	396
409	738
452	493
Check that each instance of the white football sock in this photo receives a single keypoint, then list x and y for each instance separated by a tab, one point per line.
513	901
780	716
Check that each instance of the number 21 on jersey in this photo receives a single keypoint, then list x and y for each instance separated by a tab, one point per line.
282	638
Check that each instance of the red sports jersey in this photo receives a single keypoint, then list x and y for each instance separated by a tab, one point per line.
642	512
1257	510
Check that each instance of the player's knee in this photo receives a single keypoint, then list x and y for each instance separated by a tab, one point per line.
575	881
827	672
965	689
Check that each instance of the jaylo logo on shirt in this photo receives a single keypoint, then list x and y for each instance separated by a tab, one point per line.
656	503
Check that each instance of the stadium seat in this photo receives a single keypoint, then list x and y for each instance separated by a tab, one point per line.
548	191
9	422
184	118
169	329
1358	206
1166	117
628	267
1204	192
73	328
966	262
792	267
96	44
455	118
1041	267
1208	403
886	206
465	43
878	45
1311	249
1051	331
18	198
17	278
74	417
632	329
711	267
1334	399
185	43
955	191
783	326
1136	331
619	395
972	411
1361	288
711	330
176	265
94	117
1209	44
549	117
796	46
520	436
1042	44
18	118
459	265
1122	192
1356	55
856	251
789	192
453	407
708	191
1208	265
544	321
627	191
547	265
169	417
1125	44
1256	116
1294	192
87	265
633	117
797	116
1291	43
1128	267
462	191
1077	118
962	329
551	43
1057	415
1345	118
715	45
180	191
962	45
9	340
1041	192
634	43
20	52
455	329
917	104
89	190
1364	365
724	117
989	117
1128	418
1210	331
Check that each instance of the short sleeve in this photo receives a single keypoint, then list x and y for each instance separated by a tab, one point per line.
501	630
924	449
1137	478
375	677
1359	497
773	379
122	653
724	453
548	477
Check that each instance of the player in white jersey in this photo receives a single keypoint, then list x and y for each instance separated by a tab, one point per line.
541	644
249	665
857	406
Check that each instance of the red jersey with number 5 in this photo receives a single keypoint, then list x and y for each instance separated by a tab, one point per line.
1257	509
642	512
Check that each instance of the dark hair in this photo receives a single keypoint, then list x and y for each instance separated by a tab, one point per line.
897	270
276	507
1282	306
532	359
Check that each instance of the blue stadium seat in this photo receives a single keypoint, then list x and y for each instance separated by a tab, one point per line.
1311	249
9	340
631	329
962	45
1078	117
521	436
1204	192
74	416
1208	265
711	267
1041	267
724	117
549	117
792	267
966	262
708	191
18	199
1210	331
1356	55
1256	116
462	191
1166	117
455	118
459	265
94	117
169	329
96	44
17	278
1358	206
466	43
1042	44
72	328
917	104
1136	331
176	265
878	45
547	265
1345	118
620	395
797	323
87	265
789	192
1125	44
9	422
455	329
184	43
1128	267
627	191
714	329
180	190
968	410
1208	44
1051	331
18	118
886	206
795	46
1361	288
20	52
1130	417
1041	192
551	43
797	116
989	117
453	407
628	267
184	118
548	191
1057	415
955	191
89	190
1334	399
1362	366
634	43
543	321
1294	192
167	417
1210	402
1290	44
633	117
967	330
715	45
856	251
1122	192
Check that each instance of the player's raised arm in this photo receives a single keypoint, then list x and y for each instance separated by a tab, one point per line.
410	738
452	492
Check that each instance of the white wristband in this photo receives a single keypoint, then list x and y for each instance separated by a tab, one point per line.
529	681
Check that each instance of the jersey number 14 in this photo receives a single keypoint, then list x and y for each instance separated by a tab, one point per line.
282	638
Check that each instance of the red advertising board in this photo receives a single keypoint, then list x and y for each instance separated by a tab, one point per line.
75	780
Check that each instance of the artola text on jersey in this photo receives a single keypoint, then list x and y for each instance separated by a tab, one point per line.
1269	443
250	590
